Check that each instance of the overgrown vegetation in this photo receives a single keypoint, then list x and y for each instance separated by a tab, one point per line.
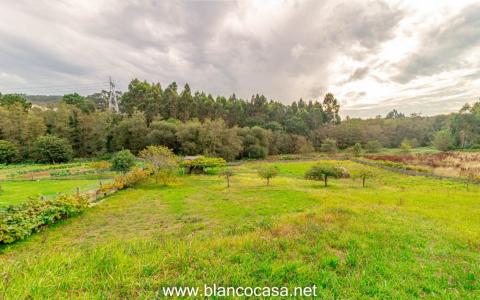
19	222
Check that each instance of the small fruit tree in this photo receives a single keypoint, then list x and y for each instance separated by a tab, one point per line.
268	172
202	163
363	174
123	161
227	173
322	172
161	161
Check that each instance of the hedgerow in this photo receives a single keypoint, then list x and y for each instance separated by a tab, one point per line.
202	164
20	221
131	178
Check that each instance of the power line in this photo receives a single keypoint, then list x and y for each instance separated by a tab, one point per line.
48	90
58	86
56	89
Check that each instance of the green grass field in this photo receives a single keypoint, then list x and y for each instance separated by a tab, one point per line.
14	192
399	238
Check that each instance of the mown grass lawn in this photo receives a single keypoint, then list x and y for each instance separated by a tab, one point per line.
15	192
400	237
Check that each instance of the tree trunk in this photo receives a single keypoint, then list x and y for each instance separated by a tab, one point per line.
325	179
363	180
268	181
228	182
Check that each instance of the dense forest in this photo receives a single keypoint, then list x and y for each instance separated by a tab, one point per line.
198	123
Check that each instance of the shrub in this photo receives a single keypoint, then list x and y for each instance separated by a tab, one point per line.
373	146
443	140
357	149
200	164
268	172
129	179
256	151
161	160
406	146
329	146
322	172
102	165
123	161
52	149
8	152
19	222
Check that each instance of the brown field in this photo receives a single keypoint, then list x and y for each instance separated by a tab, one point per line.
457	164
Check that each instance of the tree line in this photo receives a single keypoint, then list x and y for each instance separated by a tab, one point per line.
198	123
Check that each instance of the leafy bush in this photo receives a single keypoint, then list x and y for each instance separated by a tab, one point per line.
357	149
161	160
19	222
129	179
102	165
8	152
322	172
406	146
52	149
443	140
268	172
123	161
373	146
329	146
202	163
256	151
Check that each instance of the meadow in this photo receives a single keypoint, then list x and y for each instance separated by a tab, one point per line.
400	237
20	183
15	192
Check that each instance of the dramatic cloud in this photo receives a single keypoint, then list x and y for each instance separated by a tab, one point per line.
415	56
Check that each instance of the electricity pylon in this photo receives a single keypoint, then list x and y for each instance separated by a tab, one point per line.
112	98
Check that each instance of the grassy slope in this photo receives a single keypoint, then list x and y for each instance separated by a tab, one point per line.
14	192
401	237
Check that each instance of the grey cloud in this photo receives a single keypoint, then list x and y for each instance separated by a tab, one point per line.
284	58
442	47
358	74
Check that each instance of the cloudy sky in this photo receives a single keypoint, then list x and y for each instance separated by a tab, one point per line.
417	56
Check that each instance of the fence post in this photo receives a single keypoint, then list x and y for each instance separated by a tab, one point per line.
78	191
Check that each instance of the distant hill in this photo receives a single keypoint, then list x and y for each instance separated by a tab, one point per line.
44	99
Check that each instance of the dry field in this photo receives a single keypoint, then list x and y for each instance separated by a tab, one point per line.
457	164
